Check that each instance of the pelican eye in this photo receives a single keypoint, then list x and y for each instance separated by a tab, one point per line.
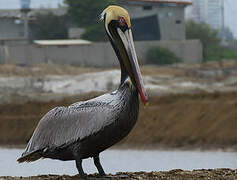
121	21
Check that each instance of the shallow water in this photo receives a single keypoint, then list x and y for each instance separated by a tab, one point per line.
120	160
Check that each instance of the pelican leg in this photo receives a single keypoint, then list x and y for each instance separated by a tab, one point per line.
98	165
80	169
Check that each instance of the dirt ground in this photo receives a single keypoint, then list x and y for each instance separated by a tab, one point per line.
192	121
55	69
177	174
203	121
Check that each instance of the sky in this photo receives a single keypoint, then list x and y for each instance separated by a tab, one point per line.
13	4
231	15
230	9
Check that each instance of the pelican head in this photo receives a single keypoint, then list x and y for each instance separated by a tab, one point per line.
118	27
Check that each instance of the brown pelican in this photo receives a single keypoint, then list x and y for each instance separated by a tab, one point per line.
84	129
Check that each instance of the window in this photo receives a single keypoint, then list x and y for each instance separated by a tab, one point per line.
178	21
147	7
169	14
141	31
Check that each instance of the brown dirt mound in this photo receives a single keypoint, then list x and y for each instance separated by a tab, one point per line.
177	174
201	120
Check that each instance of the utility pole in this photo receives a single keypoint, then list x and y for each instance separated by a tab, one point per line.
25	9
223	20
206	11
26	22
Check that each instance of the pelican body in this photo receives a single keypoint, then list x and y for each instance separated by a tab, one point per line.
86	128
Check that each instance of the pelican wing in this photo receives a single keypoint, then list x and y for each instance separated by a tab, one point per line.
65	125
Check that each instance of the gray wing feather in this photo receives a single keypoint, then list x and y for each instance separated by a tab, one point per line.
63	125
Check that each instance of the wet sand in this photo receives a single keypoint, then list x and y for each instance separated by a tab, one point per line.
177	174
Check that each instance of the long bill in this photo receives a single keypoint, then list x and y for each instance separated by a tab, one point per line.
133	66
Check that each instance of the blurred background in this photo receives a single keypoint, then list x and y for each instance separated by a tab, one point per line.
55	52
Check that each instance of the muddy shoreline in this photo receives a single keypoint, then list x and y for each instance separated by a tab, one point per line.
177	174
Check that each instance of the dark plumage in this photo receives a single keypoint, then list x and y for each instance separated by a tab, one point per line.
84	129
87	127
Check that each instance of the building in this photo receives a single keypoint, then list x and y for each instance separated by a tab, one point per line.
154	23
151	19
12	21
157	19
208	11
10	25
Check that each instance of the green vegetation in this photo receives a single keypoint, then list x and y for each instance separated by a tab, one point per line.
233	44
86	15
212	50
161	56
217	52
49	26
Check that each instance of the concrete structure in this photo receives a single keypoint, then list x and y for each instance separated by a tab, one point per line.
12	21
11	27
153	20
92	54
208	11
157	19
